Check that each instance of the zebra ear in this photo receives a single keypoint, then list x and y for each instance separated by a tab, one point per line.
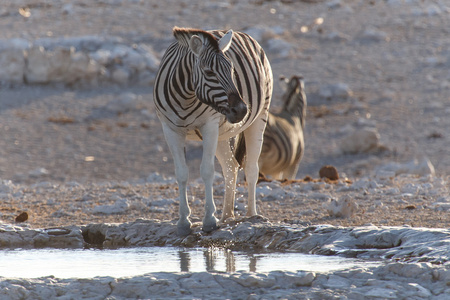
225	41
284	82
196	44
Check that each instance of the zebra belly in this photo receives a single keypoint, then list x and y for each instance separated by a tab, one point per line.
226	131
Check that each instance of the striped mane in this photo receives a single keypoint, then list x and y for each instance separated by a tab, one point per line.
183	35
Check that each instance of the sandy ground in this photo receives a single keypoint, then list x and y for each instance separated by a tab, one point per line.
60	147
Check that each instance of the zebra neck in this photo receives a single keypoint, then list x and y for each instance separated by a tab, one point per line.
181	77
297	115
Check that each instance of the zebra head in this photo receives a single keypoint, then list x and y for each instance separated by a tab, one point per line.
294	92
213	75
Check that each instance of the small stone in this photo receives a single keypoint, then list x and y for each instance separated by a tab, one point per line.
333	91
342	208
373	35
22	217
12	65
360	141
329	172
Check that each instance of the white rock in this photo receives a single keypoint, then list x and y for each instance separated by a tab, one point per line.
43	66
60	65
360	141
410	188
338	90
345	207
373	35
337	37
102	56
12	65
120	206
38	172
414	167
162	202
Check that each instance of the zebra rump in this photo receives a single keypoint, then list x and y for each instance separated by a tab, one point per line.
283	144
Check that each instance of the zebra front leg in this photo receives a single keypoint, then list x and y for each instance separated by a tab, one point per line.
210	134
176	142
230	168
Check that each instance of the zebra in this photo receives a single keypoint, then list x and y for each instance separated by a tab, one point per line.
283	144
212	86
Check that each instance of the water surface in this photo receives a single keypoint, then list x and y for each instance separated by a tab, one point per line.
89	263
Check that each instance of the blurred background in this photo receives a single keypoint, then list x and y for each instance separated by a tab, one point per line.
76	83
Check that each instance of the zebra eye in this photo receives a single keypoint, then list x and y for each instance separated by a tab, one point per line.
209	73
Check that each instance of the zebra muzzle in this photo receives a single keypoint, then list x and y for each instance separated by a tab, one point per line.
237	108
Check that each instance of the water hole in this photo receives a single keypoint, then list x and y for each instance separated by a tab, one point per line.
122	262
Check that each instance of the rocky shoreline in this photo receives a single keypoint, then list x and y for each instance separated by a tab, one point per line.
415	262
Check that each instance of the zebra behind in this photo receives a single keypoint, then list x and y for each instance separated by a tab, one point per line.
284	145
212	86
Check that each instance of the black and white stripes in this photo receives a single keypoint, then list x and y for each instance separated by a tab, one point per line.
212	86
284	145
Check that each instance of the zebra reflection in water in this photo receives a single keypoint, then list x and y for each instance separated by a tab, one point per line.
212	262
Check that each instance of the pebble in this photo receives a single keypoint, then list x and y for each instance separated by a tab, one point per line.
361	140
22	217
120	206
373	35
345	207
329	172
335	91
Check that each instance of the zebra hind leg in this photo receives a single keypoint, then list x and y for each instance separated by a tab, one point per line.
254	140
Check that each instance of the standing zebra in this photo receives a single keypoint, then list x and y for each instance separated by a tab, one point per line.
212	86
283	145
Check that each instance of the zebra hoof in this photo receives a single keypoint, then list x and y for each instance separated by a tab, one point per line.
183	231
210	225
183	228
209	228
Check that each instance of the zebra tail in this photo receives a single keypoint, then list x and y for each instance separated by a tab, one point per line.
240	149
